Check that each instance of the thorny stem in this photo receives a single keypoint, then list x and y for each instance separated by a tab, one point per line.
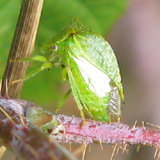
112	133
26	141
115	133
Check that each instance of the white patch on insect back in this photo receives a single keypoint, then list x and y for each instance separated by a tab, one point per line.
97	80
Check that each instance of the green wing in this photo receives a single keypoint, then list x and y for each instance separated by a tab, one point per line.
99	53
87	100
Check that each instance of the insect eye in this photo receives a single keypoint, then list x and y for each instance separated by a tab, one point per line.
54	47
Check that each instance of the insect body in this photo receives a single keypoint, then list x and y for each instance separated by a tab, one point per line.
88	62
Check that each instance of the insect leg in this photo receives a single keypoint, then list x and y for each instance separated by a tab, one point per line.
37	58
36	71
62	101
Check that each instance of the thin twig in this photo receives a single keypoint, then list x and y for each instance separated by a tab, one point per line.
22	45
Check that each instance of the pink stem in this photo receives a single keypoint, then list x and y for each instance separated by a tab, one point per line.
111	133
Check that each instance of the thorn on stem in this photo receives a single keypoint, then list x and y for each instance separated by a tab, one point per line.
6	95
81	149
153	125
2	151
138	148
143	126
124	148
21	118
89	148
70	147
119	119
1	88
84	148
155	154
118	149
101	145
158	156
134	126
114	149
7	116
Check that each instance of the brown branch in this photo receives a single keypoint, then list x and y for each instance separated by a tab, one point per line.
22	45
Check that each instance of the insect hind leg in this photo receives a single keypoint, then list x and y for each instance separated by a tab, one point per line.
83	117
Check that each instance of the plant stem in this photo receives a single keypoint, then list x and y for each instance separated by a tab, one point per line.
110	133
25	140
22	46
115	133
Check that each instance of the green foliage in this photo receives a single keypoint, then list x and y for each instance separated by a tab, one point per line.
99	16
8	18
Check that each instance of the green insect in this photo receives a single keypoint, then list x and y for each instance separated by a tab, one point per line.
89	63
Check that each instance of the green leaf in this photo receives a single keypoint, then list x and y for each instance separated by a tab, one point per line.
8	18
